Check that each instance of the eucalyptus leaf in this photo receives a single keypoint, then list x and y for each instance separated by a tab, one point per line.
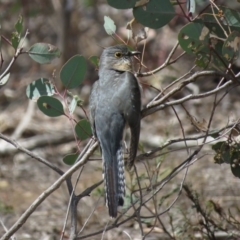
73	72
155	14
19	25
83	129
231	46
43	52
94	60
122	4
70	159
50	106
5	79
194	37
40	87
73	105
109	25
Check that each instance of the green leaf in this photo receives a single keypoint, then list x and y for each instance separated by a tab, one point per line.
155	13
19	25
95	61
203	60
222	150
231	46
211	58
229	19
235	167
83	129
235	159
218	62
43	52
16	36
109	25
40	87
15	40
4	80
73	72
194	37
122	4
70	159
214	133
50	106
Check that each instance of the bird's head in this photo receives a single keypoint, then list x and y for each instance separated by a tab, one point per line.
118	58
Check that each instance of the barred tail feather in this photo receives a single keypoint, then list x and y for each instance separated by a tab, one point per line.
121	177
114	182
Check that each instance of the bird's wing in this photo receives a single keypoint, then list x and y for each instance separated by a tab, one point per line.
92	106
129	96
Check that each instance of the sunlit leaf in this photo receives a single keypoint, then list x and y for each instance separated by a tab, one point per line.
191	6
73	105
4	80
40	87
109	25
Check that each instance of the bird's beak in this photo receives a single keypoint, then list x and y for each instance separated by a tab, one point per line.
133	53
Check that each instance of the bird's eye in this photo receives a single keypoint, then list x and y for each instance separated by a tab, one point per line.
118	54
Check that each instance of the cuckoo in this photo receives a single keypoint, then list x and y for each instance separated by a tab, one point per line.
115	103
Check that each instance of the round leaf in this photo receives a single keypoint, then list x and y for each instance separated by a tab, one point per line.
230	48
73	72
50	106
222	150
40	87
70	159
155	13
122	4
194	37
43	52
83	129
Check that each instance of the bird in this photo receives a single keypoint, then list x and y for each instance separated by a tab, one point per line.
114	105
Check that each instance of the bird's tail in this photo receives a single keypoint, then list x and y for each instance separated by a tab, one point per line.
114	181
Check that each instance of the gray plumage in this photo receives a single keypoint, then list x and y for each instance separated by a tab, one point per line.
115	102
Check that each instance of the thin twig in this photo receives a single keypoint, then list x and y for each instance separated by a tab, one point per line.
46	193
